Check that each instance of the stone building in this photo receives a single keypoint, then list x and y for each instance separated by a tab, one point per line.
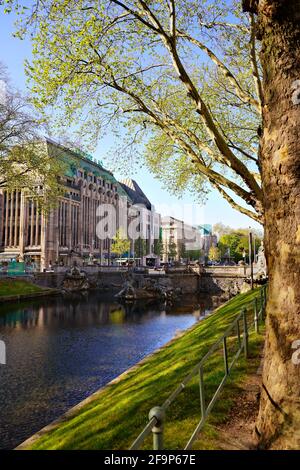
67	233
178	238
148	220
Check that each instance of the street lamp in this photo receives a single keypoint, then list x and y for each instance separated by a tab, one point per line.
250	257
244	259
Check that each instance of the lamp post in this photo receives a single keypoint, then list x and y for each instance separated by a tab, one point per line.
250	257
244	259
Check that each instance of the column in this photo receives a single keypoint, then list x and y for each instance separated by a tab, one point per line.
43	242
11	218
16	219
69	225
37	225
6	218
22	225
31	242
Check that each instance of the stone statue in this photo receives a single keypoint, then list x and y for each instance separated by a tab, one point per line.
75	279
261	264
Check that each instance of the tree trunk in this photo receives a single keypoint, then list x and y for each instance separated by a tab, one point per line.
278	423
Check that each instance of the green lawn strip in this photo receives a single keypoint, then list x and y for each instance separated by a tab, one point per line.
10	287
114	418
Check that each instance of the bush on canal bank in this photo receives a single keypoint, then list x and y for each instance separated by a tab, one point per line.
114	416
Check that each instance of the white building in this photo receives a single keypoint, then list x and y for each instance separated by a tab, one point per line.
179	238
145	222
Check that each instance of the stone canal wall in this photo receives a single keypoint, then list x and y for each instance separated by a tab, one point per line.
209	281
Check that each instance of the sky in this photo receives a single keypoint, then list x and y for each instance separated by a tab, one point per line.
13	53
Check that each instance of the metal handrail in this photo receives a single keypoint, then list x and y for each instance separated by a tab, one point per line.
157	414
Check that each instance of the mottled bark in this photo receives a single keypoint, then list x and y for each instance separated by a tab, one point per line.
278	423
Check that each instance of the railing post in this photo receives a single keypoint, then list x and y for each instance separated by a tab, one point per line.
225	356
202	396
158	429
246	349
262	303
256	317
265	296
238	332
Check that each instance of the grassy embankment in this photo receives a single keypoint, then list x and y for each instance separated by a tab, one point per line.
11	287
117	413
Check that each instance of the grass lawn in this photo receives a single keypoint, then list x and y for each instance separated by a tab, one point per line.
17	287
117	414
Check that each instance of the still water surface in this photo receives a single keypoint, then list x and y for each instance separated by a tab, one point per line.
60	350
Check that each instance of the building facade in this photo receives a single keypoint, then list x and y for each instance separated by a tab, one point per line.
182	241
179	239
68	232
146	222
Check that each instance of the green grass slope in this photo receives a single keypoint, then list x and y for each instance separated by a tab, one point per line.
117	413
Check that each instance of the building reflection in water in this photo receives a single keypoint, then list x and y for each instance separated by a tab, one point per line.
91	309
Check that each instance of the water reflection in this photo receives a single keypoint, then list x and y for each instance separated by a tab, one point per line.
85	310
60	350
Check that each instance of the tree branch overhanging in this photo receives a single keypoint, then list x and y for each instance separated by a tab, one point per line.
241	93
235	205
254	62
202	109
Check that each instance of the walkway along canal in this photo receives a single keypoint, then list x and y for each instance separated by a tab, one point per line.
60	350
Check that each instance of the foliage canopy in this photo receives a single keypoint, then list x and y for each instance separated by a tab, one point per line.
181	77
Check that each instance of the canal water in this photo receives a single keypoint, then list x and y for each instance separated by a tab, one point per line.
60	350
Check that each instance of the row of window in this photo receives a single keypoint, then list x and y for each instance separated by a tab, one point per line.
96	180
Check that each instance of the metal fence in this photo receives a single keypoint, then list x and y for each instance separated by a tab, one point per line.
239	330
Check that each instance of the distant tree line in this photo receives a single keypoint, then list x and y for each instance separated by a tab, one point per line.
233	243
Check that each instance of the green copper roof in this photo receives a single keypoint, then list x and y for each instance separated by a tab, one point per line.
75	159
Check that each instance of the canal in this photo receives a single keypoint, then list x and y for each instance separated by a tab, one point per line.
60	350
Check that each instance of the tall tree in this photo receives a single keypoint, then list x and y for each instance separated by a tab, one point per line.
120	244
171	250
184	78
214	253
158	247
279	31
140	247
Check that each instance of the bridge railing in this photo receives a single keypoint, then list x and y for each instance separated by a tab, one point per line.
239	330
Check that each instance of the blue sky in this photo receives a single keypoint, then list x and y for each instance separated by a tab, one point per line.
13	52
